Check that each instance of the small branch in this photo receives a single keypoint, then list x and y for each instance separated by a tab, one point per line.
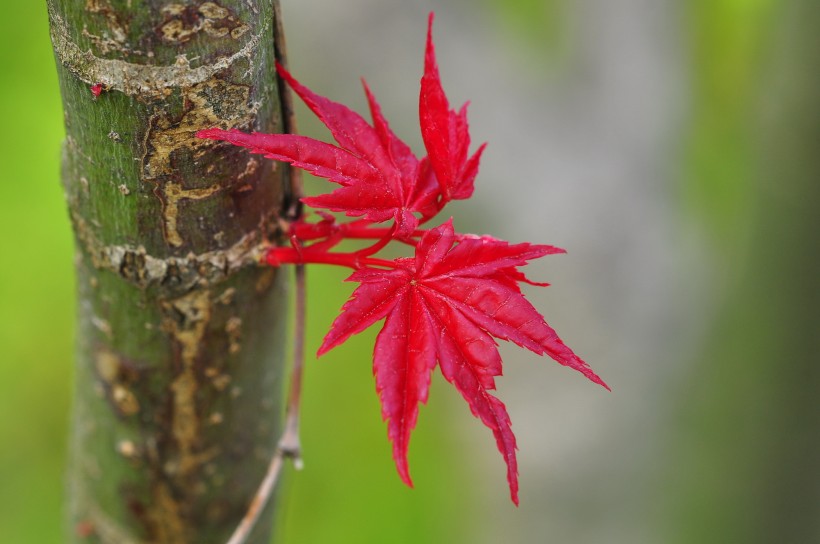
289	444
243	530
292	203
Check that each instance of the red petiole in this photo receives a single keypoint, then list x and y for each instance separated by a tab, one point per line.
278	256
328	235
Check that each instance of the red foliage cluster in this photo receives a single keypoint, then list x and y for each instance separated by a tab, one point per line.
446	305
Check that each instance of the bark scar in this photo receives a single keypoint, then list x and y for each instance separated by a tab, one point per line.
141	79
187	319
213	103
183	22
134	264
173	193
119	31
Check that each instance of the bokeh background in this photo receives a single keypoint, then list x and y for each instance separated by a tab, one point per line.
672	146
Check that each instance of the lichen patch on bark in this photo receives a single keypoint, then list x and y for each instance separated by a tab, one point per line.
227	296
184	21
146	80
127	449
107	365
116	381
186	320
164	517
125	400
173	193
250	168
213	103
233	327
135	265
218	380
119	30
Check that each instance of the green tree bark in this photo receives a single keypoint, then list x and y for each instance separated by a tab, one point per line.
180	332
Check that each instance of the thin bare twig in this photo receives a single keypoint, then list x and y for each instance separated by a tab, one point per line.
289	444
292	202
243	530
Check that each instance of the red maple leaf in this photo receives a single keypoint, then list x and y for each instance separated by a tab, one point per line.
380	176
445	131
445	306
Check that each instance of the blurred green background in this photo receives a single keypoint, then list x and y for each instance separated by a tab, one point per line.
736	432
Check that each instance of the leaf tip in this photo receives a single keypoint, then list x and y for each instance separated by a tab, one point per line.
330	341
404	469
430	51
593	377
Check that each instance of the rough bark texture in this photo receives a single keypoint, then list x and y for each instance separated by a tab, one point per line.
179	355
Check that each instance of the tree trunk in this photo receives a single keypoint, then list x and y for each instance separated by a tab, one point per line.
180	332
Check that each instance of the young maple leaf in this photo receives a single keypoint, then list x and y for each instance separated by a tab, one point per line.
446	305
445	132
380	177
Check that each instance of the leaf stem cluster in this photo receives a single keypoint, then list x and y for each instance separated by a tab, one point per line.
327	234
